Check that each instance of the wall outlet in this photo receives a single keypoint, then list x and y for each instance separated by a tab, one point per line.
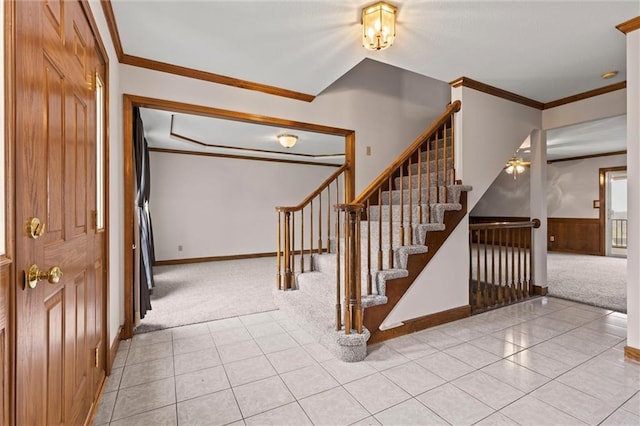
180	247
552	238
368	150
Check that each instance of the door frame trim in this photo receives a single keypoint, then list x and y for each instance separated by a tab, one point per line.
602	177
9	200
130	101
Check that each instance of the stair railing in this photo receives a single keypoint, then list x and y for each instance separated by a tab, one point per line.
432	155
307	228
501	263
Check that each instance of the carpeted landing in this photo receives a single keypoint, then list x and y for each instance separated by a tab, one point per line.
199	292
596	280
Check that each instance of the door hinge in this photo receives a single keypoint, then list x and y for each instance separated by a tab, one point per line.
97	356
94	219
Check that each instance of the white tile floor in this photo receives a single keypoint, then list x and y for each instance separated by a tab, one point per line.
543	362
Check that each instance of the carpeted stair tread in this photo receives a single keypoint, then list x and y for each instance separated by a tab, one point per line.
317	316
420	231
453	194
432	165
325	262
402	254
413	181
412	215
388	274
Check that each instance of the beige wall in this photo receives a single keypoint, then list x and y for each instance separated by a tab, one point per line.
571	188
219	207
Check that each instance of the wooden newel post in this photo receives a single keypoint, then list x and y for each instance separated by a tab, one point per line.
288	275
352	286
279	255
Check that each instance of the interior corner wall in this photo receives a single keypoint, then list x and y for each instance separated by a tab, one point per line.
571	188
490	130
116	180
214	206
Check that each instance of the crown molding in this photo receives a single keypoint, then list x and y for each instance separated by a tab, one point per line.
154	65
585	157
630	25
585	95
241	157
495	91
113	28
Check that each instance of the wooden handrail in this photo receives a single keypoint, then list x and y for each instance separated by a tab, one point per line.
535	223
384	176
315	193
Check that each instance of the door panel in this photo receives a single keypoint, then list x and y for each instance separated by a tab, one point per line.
57	323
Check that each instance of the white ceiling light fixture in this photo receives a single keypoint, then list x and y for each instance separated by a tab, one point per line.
378	26
287	140
516	166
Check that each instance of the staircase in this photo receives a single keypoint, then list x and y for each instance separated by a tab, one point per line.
343	291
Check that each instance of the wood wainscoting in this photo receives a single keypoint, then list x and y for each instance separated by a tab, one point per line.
574	235
570	235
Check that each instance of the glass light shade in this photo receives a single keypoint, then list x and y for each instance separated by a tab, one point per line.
378	26
515	167
287	140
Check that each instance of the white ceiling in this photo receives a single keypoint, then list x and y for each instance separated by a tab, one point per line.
593	137
544	50
242	138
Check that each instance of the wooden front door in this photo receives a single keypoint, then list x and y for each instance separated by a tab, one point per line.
60	326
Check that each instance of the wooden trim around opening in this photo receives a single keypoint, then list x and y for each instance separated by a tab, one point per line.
632	354
151	64
585	95
213	258
584	157
495	91
602	211
241	157
420	323
113	350
131	101
630	25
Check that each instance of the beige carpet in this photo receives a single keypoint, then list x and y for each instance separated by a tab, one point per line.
595	280
199	292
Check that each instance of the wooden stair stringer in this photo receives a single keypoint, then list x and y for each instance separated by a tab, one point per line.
375	315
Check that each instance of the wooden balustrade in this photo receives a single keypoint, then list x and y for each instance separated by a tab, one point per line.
500	263
300	228
403	193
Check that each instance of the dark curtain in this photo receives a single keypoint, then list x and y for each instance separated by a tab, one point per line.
146	251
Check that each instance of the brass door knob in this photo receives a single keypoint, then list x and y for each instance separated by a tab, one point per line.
34	274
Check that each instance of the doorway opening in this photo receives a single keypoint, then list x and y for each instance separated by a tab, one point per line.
615	211
195	111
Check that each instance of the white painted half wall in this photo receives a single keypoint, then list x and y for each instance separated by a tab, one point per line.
442	285
489	131
220	207
571	188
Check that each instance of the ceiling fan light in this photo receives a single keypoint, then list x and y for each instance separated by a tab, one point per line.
378	26
287	140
